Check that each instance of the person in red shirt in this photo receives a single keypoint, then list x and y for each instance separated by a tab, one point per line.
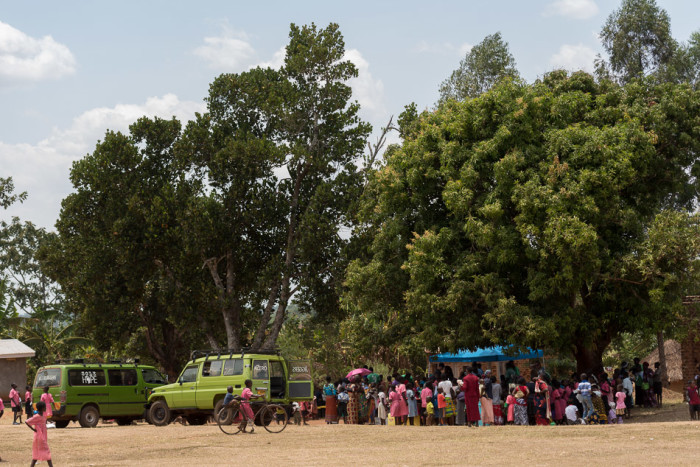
471	396
691	394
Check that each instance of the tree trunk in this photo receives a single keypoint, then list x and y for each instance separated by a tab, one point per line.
589	357
662	357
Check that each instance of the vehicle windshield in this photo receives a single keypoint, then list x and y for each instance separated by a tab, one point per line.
153	376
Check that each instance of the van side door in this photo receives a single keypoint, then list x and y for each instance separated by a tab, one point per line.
185	398
124	397
261	377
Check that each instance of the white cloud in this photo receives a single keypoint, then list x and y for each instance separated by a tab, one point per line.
23	57
225	52
574	58
276	61
42	169
368	91
576	9
445	48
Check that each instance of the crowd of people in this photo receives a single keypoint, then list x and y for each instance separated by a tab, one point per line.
479	398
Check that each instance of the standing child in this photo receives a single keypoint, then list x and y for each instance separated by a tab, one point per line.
16	404
510	406
343	400
381	408
28	401
691	394
47	399
429	413
612	413
620	395
40	445
246	396
296	413
412	405
442	405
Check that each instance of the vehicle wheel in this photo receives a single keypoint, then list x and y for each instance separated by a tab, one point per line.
274	418
62	423
124	421
197	419
229	420
159	413
89	416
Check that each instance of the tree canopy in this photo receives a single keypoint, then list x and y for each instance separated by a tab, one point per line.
204	235
484	65
522	216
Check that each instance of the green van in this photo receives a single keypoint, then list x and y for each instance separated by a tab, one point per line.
88	391
201	387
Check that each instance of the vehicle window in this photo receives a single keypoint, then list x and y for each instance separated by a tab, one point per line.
153	376
190	374
299	370
233	367
276	370
260	369
212	368
86	377
122	377
48	377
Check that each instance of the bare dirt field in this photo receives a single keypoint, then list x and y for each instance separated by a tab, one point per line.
659	436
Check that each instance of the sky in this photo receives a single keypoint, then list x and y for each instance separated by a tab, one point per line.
71	70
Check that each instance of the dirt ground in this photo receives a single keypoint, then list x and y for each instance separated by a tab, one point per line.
660	436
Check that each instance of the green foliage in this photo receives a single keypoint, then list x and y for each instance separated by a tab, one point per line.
637	38
519	217
7	195
484	65
201	237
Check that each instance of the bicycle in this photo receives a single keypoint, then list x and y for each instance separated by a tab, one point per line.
232	420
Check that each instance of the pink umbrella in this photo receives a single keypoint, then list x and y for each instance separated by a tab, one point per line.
358	371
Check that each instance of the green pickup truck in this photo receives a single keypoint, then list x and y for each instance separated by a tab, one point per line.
201	387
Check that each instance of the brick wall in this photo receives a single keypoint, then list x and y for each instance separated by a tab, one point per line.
690	356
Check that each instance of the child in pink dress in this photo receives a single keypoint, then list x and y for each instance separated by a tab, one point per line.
40	445
246	396
510	400
47	399
620	407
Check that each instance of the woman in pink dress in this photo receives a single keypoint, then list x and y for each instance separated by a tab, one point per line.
403	406
559	402
40	445
395	399
246	396
47	399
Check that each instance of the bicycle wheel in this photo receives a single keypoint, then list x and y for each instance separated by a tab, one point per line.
274	418
229	420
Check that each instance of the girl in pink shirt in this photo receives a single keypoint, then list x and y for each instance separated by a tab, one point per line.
47	399
510	400
620	407
246	396
40	445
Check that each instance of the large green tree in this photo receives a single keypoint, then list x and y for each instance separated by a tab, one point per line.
637	38
519	216
121	254
204	236
275	160
484	65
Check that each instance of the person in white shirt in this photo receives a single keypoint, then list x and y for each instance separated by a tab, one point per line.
572	417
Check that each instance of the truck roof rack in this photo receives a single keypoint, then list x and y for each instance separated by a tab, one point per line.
206	353
85	362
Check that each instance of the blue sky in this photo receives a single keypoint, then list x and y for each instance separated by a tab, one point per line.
70	70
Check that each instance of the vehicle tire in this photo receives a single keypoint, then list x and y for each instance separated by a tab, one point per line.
89	416
229	420
159	413
62	423
124	421
197	419
274	418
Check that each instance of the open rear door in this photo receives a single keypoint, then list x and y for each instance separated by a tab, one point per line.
300	384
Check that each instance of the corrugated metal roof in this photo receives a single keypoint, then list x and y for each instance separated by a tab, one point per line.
12	348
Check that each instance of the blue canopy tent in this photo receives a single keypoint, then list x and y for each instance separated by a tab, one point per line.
490	354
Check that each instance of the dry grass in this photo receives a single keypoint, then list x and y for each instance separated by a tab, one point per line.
659	433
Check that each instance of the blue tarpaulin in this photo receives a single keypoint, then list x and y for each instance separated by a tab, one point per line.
491	354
